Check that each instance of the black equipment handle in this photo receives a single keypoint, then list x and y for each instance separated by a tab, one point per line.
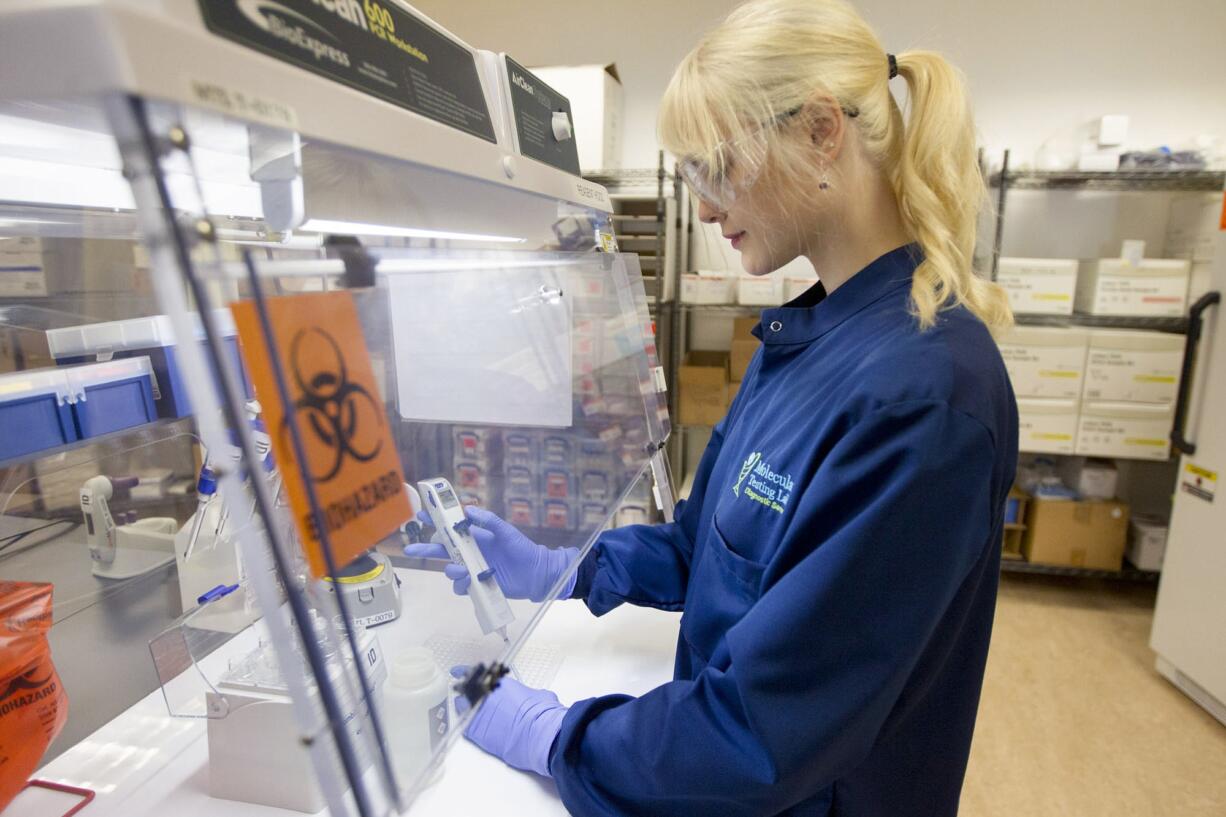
1195	325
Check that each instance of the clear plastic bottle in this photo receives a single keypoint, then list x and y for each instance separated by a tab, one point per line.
416	717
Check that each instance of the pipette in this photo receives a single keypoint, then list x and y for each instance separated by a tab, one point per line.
453	527
206	489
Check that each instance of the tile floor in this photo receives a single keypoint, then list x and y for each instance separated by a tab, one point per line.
1075	722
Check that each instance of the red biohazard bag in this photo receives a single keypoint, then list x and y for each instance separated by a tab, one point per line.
33	706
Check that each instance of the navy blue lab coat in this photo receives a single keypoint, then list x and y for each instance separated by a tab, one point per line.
837	565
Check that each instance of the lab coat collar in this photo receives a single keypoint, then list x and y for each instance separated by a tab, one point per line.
785	325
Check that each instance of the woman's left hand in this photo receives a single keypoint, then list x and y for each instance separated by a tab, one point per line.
516	723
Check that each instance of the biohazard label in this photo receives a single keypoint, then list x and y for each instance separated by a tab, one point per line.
351	456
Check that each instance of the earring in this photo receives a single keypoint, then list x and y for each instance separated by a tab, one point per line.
824	184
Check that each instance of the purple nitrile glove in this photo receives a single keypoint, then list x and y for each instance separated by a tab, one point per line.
524	569
515	723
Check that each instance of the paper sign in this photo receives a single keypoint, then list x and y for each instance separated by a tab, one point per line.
352	459
1199	482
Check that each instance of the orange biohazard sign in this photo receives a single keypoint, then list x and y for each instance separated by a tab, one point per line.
351	456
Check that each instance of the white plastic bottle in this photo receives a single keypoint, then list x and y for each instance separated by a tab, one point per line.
416	717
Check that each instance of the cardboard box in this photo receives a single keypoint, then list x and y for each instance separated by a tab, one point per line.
705	287
1133	367
1047	425
1011	546
1155	288
1140	431
1039	286
1076	534
1146	542
759	290
702	396
596	106
744	346
1045	361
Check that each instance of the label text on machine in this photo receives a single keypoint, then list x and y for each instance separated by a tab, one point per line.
379	48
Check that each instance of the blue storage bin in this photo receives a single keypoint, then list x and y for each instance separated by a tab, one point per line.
112	396
35	412
150	337
1012	508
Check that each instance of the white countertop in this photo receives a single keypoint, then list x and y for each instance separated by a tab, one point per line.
146	762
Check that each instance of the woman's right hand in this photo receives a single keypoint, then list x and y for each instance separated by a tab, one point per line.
523	568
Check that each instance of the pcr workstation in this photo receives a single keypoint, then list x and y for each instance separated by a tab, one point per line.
285	287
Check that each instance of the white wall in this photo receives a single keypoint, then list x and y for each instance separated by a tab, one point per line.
1037	68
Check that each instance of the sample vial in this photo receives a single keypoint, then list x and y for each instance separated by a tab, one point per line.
415	713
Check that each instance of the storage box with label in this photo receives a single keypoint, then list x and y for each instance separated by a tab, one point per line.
705	287
1138	367
1091	479
39	267
759	290
744	346
22	267
1047	425
1045	361
1076	534
1146	542
1039	286
702	382
1154	288
1129	430
596	106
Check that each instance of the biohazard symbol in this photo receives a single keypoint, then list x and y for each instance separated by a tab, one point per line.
330	408
25	682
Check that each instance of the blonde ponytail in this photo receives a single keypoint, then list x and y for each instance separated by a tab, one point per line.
771	57
940	192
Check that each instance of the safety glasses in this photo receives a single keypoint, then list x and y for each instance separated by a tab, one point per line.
736	166
738	163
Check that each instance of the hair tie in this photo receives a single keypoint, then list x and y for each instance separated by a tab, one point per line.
893	65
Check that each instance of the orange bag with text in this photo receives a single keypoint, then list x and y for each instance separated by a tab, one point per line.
33	706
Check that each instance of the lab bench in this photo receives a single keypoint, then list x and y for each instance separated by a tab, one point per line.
145	762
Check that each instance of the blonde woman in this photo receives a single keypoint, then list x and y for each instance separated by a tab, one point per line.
837	562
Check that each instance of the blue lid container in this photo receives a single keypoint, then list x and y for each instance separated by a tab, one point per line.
151	337
35	412
112	396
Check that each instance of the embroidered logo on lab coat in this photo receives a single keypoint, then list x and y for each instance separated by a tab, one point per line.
750	462
760	483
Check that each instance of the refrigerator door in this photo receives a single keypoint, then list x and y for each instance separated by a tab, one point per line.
1190	618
